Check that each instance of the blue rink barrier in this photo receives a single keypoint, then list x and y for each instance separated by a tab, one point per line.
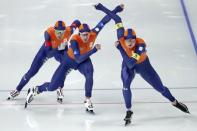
189	25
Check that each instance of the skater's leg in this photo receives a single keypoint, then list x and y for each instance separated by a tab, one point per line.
127	76
150	75
56	82
57	79
59	57
86	68
37	63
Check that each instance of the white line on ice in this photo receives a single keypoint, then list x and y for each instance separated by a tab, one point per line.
175	16
168	12
39	7
84	4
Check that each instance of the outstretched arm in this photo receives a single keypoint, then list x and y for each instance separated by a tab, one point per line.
106	19
78	57
115	17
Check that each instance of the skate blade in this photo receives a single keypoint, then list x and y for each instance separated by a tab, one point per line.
59	100
127	123
28	91
90	111
9	98
26	105
188	112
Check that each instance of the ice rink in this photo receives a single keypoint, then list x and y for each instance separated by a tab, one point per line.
171	47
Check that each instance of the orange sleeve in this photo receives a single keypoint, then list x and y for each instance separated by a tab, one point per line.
140	41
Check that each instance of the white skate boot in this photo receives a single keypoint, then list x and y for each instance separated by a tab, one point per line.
30	95
89	106
60	95
13	94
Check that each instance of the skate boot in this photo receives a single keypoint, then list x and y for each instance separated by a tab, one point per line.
13	94
128	117
88	106
30	95
60	95
181	106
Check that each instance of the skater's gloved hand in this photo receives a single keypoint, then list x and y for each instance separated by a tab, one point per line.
98	46
98	6
117	44
120	8
63	45
76	24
